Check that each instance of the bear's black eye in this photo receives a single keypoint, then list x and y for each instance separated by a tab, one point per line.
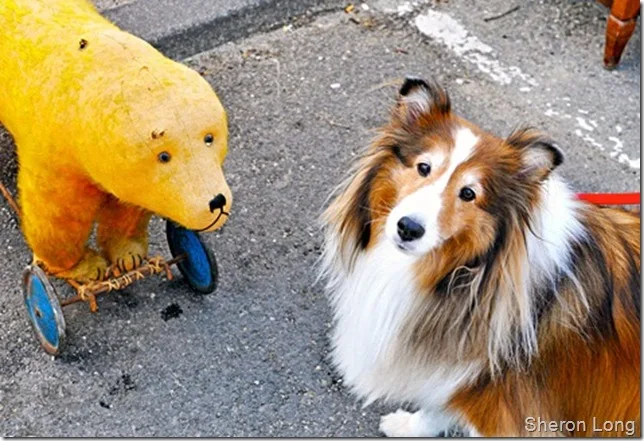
208	139
164	157
424	169
467	194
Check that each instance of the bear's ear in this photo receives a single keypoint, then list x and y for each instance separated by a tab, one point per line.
539	154
418	97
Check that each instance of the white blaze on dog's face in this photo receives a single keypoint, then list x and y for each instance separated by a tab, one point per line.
415	225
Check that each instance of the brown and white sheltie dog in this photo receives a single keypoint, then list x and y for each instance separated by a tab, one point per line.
466	278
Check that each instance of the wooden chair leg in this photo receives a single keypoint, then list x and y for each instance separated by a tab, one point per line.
619	28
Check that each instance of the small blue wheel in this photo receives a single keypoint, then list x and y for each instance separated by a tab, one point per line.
44	309
199	266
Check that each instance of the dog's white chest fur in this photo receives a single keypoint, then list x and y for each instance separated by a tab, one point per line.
371	306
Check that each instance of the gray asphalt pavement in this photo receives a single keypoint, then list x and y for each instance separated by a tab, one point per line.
250	359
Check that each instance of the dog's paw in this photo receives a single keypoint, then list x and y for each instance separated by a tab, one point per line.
399	424
402	424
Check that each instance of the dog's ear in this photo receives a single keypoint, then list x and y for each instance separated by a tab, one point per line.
539	154
418	98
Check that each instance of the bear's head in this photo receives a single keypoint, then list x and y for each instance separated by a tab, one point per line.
164	140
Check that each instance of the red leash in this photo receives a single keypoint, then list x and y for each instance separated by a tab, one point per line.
611	198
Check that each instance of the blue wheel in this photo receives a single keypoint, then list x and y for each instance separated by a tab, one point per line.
44	309
199	267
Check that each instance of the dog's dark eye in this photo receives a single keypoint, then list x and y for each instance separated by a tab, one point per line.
424	169
208	139
467	194
164	157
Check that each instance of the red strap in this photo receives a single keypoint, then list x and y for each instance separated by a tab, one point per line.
611	198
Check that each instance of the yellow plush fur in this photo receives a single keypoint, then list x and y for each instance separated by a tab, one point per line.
108	131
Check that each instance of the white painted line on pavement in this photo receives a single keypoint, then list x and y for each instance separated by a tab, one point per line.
443	28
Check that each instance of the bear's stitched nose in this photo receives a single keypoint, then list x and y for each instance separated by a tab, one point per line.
217	203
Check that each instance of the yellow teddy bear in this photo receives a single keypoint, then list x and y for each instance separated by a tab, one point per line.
108	131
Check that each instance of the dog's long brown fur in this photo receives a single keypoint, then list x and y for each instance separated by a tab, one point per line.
590	372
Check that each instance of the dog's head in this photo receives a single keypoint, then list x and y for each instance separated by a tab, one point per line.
433	182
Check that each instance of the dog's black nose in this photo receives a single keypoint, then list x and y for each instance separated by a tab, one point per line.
217	203
409	230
